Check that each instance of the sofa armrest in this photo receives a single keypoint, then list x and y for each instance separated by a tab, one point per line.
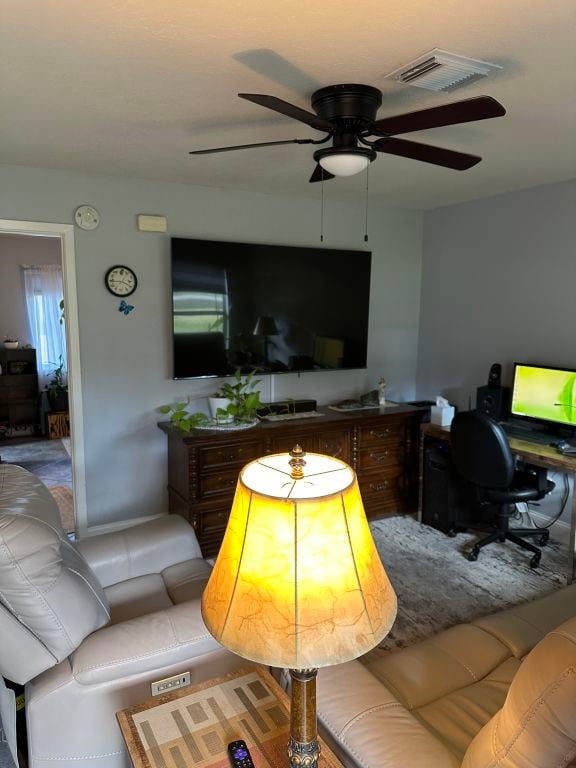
143	644
141	549
367	726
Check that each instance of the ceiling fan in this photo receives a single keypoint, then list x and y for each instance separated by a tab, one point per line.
347	114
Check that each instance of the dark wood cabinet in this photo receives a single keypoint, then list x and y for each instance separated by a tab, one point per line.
18	390
382	446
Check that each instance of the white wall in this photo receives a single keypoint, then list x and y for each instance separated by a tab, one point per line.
498	285
126	361
16	250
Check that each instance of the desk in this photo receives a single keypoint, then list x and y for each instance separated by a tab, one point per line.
190	728
542	456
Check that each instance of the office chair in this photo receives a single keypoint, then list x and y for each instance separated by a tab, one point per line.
481	454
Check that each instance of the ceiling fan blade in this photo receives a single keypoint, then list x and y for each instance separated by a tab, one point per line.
250	146
278	105
448	158
466	111
320	174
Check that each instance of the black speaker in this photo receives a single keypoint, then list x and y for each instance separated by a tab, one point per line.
493	401
495	375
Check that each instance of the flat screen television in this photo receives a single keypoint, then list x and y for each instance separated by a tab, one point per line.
273	308
544	395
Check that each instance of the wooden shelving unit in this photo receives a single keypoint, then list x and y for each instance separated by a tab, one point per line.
18	390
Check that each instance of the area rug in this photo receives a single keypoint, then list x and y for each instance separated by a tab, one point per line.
438	587
65	500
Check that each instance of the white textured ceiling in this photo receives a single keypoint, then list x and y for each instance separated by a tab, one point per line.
127	87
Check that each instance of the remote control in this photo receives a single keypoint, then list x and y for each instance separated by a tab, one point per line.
239	754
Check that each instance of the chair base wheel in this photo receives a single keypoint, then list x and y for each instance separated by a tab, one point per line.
543	540
535	561
473	555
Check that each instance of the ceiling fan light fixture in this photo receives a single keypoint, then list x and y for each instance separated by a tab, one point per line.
344	161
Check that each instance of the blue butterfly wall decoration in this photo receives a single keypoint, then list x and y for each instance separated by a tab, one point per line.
125	308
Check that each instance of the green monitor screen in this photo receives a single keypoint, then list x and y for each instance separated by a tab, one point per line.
544	394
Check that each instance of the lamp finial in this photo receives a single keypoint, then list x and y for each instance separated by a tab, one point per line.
297	462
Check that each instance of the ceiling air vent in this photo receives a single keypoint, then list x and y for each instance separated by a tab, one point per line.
441	71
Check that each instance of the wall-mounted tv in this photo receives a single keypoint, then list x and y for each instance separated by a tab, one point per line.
275	308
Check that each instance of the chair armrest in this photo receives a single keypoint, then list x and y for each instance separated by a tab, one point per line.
368	727
147	643
140	550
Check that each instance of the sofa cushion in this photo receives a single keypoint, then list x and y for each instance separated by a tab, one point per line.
367	726
47	585
439	665
537	724
522	627
456	718
139	596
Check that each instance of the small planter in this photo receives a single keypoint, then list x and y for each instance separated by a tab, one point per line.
11	344
58	402
217	403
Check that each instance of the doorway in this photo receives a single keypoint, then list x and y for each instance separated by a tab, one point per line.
74	445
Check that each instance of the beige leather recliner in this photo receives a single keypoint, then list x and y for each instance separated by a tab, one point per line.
87	626
499	692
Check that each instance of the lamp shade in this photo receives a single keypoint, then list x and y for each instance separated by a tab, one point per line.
298	582
265	326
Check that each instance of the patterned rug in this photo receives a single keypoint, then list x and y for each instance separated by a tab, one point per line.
438	587
65	500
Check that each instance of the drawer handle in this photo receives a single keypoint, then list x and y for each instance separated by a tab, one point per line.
379	486
380	456
226	482
384	433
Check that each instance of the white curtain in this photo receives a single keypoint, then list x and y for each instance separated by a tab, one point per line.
44	291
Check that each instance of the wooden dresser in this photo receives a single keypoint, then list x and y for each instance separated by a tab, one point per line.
381	445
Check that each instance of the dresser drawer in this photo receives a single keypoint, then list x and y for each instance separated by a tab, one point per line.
219	484
382	489
381	456
335	444
225	455
392	431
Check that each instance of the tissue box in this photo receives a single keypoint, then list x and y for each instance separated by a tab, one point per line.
442	415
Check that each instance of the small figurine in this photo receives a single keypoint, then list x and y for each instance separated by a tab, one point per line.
382	392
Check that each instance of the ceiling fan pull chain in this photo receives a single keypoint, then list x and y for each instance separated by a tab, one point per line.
366	212
322	206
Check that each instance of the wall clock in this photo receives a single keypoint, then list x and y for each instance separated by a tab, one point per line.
121	280
87	217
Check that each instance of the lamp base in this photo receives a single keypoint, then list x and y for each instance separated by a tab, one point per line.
303	745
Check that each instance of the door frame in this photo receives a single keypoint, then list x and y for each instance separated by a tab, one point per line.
66	234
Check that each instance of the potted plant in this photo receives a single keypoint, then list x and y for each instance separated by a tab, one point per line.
182	418
57	388
10	343
236	402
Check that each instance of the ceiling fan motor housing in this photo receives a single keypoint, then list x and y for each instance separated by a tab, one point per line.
349	107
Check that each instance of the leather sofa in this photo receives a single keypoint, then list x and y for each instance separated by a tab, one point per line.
87	626
499	692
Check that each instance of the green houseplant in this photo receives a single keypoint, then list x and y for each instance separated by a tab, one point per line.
236	403
57	388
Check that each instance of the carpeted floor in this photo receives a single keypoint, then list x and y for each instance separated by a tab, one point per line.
438	587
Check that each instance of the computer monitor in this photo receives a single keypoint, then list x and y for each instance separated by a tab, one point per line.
544	395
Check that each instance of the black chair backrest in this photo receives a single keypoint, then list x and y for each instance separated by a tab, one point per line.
480	451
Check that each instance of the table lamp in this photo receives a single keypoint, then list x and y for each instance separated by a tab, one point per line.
298	582
266	327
